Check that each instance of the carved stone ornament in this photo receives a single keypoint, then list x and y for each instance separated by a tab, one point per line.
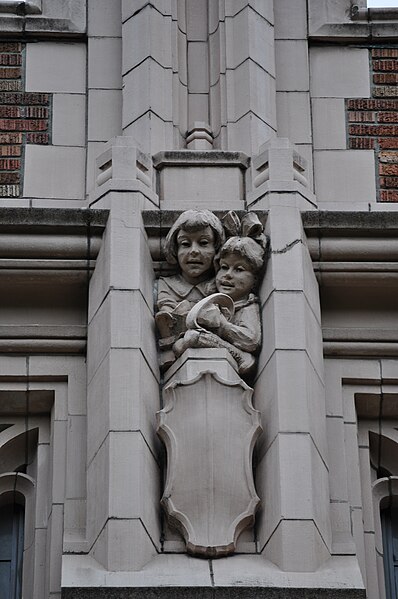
209	427
208	320
210	310
208	264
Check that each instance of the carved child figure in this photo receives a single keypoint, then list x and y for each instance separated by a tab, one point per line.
193	243
241	260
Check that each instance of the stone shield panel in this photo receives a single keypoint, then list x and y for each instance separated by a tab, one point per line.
209	427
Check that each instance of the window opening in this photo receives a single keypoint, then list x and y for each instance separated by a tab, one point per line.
11	550
389	523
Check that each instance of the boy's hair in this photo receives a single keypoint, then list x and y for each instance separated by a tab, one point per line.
192	221
247	248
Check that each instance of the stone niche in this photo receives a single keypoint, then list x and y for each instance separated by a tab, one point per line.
209	335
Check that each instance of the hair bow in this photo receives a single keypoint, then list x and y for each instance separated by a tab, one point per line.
248	226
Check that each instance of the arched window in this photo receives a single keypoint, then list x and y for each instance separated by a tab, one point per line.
389	524
12	516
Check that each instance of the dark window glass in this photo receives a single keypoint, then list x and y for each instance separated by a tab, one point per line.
11	550
389	520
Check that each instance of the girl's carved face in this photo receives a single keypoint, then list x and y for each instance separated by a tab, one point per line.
195	254
235	277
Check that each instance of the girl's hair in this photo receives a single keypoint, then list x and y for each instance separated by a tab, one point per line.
192	221
248	249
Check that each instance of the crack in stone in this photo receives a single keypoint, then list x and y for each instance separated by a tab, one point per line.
211	572
287	247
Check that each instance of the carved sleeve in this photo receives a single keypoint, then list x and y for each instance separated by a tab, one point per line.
245	329
167	300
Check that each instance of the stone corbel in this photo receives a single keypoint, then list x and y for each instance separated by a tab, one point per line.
209	428
121	166
279	168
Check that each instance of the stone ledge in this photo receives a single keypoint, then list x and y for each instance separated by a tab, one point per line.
43	27
50	234
212	179
43	18
332	21
210	593
200	158
373	32
53	217
156	220
350	221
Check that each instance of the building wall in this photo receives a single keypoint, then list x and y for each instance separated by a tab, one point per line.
115	116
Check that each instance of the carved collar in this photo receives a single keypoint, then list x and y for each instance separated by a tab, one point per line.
182	288
252	299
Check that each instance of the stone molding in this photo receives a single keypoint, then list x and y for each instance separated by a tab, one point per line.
200	158
361	238
47	246
355	250
251	592
21	7
345	21
63	18
211	179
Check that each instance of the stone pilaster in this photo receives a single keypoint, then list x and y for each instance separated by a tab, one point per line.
294	530
249	96
123	476
147	74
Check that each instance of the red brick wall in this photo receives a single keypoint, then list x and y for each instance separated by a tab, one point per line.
24	118
373	122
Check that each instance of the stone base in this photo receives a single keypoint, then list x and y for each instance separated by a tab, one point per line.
211	593
211	179
175	576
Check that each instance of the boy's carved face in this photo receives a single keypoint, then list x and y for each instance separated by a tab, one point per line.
235	277
195	254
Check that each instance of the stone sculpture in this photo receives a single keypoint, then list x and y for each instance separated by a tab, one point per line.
209	426
192	244
237	329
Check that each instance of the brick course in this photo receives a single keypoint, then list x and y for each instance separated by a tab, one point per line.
372	123
24	118
387	195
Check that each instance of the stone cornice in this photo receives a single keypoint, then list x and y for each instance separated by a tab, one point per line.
50	234
354	237
45	249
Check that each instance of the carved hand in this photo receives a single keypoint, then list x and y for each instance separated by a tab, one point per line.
210	317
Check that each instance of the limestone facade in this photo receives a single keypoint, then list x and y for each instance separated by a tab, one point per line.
116	116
